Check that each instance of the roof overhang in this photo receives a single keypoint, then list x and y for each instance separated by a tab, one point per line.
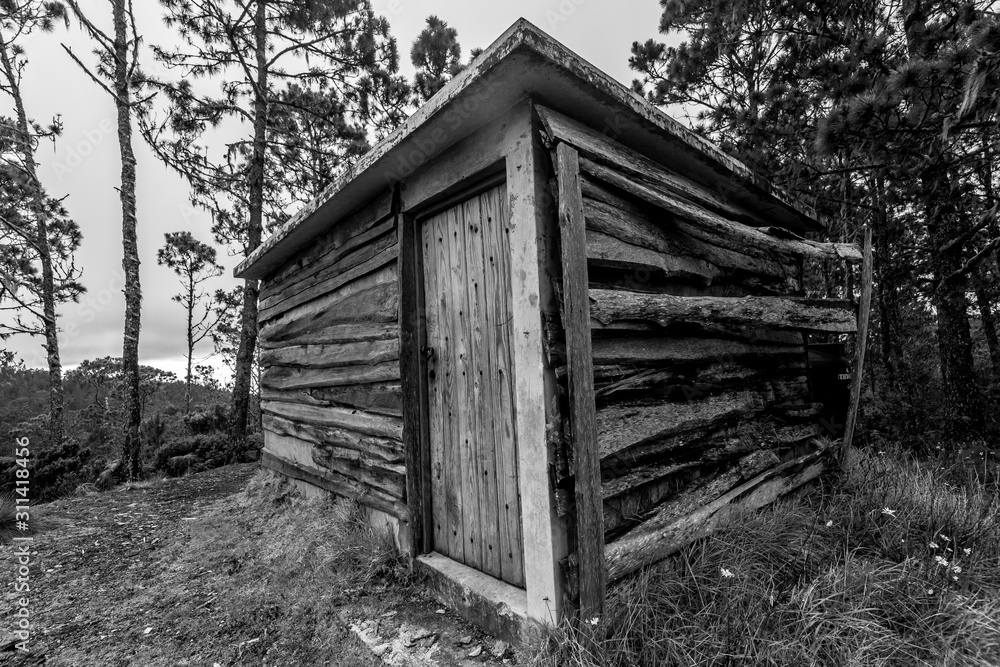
526	62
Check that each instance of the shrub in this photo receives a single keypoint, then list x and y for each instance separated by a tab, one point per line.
173	448
54	471
153	430
207	420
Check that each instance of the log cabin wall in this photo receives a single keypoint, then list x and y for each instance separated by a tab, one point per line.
697	337
329	339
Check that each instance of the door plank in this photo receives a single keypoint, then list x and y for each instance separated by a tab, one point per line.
463	459
484	443
498	289
433	305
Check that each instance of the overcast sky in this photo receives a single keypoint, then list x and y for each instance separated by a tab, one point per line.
84	165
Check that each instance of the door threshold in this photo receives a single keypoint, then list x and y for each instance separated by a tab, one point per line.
497	607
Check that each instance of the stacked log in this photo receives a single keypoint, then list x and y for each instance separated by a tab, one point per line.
330	348
698	329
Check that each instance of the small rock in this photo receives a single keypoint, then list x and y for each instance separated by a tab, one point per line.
476	652
382	649
499	648
147	631
466	640
440	611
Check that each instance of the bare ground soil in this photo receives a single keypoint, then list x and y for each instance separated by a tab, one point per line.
200	571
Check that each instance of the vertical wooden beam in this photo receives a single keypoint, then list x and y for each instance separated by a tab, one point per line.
580	380
412	335
533	227
860	343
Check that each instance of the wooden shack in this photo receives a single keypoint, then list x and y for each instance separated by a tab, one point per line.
546	333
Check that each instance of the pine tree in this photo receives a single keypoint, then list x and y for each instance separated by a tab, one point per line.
117	73
267	55
874	111
437	56
195	263
42	234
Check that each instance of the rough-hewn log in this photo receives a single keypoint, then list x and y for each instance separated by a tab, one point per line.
373	212
381	397
684	383
720	230
321	273
354	420
580	381
600	148
351	252
860	345
331	283
635	432
369	300
290	377
344	441
610	214
335	483
784	314
363	353
635	494
331	335
641	546
360	466
663	351
606	251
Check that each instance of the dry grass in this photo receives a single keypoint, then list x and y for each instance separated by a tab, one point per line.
8	512
281	566
891	565
256	577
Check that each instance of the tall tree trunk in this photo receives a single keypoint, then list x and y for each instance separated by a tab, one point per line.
886	285
190	344
49	324
242	379
988	320
962	394
964	398
131	464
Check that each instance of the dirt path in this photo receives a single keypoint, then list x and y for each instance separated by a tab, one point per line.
219	569
111	583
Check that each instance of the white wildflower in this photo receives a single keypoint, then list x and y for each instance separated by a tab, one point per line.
933	545
941	560
957	569
727	574
944	537
966	551
889	512
594	621
829	523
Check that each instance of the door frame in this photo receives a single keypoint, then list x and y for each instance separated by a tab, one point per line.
413	344
511	143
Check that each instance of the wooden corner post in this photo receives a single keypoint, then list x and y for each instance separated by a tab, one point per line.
412	383
860	343
580	380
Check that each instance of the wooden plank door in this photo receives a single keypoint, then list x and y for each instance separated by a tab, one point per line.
476	510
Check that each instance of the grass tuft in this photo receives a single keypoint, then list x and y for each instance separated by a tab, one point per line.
8	518
890	565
